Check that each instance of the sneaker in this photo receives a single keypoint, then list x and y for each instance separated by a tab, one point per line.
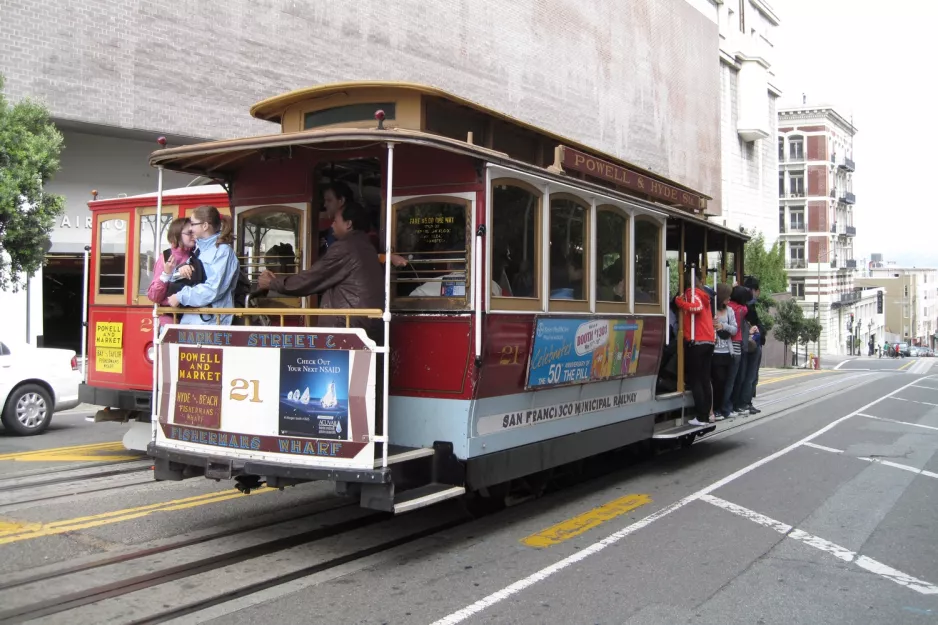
695	421
753	410
742	412
718	416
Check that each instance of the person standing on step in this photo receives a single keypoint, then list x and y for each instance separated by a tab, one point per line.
724	327
695	304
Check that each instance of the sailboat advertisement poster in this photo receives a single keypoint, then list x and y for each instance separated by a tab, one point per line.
314	393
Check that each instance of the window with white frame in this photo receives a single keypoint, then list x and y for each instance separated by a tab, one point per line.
797	219
796	149
797	289
796	185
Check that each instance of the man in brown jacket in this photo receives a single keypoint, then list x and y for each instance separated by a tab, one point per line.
348	275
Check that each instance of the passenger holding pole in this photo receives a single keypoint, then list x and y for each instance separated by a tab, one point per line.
698	340
347	276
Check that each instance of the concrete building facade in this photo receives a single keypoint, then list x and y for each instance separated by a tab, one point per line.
640	80
910	302
748	119
815	217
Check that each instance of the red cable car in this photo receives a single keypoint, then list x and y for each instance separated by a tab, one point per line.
529	327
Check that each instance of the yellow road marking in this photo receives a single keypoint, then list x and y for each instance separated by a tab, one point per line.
789	377
908	364
77	450
14	531
585	522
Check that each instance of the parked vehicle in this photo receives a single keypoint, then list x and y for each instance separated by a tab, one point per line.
34	383
905	349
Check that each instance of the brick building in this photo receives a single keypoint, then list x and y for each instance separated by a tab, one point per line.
815	218
642	80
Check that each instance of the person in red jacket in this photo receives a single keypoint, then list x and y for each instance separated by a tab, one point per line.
698	341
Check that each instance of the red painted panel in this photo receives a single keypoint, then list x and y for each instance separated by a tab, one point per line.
817	217
812	128
274	181
431	356
417	166
137	332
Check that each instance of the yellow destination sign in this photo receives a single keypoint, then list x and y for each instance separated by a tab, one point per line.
108	334
108	359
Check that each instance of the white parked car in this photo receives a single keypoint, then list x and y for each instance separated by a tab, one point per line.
34	383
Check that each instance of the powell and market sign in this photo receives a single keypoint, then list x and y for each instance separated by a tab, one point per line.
569	159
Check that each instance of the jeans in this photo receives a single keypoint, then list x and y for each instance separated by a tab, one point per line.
730	387
720	369
753	360
698	373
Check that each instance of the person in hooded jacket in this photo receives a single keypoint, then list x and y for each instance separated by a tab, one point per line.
724	326
695	304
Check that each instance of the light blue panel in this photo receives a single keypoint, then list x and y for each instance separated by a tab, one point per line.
418	421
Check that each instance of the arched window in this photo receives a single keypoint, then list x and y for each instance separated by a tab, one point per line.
648	264
612	260
515	237
569	253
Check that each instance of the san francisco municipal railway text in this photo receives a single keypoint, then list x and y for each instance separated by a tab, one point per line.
569	409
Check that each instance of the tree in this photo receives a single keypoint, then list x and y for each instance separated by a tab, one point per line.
789	323
29	156
810	333
769	266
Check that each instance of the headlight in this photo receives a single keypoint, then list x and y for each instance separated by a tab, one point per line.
151	352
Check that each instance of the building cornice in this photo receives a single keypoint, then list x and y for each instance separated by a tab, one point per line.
766	10
815	113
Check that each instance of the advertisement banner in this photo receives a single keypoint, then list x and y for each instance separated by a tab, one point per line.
282	395
576	350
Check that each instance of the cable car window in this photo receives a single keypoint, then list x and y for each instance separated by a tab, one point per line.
432	234
146	255
647	261
569	223
270	240
516	241
348	113
611	256
112	255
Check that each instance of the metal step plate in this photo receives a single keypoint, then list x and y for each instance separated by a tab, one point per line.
426	496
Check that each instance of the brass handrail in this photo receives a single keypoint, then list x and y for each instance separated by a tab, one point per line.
348	313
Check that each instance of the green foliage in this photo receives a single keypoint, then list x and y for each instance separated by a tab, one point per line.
789	321
766	264
810	331
29	156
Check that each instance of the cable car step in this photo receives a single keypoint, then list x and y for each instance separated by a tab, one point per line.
684	430
426	496
399	453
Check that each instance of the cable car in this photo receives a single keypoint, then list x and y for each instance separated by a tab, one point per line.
529	327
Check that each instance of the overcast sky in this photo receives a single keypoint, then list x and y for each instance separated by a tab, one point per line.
874	61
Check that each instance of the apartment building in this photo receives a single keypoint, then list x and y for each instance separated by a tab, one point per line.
815	217
910	301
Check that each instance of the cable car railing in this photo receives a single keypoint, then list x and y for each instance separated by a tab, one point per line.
306	313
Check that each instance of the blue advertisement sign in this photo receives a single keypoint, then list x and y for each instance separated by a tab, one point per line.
577	350
314	395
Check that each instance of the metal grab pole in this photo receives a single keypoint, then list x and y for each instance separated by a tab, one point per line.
693	292
154	418
84	322
667	299
386	317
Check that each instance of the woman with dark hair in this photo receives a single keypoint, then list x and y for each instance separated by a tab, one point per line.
175	267
741	297
214	238
724	326
737	304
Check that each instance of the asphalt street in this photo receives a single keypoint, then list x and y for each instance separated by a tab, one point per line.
821	509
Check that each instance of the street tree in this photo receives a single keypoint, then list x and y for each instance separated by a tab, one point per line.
810	333
769	266
789	321
29	156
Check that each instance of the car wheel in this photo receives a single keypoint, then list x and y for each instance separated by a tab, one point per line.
28	410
